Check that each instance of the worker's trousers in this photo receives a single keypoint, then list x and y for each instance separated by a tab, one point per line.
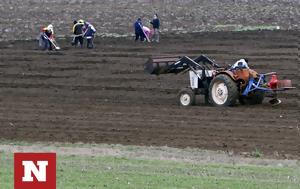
155	36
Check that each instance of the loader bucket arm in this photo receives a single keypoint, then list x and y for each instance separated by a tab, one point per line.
176	65
208	63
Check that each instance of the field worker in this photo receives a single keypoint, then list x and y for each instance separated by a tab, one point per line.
78	32
138	28
47	34
240	64
50	29
155	24
147	32
89	32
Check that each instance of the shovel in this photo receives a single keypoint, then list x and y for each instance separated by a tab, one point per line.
53	42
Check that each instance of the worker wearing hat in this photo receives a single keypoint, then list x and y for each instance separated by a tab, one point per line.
46	36
78	32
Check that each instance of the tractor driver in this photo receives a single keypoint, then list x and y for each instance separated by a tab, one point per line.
240	64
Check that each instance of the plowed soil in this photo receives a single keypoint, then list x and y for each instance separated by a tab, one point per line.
104	96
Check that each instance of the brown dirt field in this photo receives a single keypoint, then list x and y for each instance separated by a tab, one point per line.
104	96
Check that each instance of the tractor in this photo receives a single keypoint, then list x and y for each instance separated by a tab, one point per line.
220	86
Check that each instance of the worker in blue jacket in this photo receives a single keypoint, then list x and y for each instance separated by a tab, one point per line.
138	27
89	33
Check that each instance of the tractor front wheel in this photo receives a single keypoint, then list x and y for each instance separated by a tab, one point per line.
223	91
186	97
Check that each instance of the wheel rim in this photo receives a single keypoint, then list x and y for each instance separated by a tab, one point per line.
185	99
219	93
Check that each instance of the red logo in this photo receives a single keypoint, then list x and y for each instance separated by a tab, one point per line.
35	170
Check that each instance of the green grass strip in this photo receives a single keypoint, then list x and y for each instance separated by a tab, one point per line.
89	172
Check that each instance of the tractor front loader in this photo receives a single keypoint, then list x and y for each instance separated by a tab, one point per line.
220	86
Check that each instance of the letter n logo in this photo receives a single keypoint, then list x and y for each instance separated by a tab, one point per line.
35	170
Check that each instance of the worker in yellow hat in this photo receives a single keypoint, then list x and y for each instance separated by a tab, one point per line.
78	33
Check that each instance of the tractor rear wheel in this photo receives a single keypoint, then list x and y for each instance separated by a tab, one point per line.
223	91
186	97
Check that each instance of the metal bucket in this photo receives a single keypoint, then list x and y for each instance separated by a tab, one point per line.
159	65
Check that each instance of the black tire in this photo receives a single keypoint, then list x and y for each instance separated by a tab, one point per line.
242	100
223	91
206	99
186	97
255	97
